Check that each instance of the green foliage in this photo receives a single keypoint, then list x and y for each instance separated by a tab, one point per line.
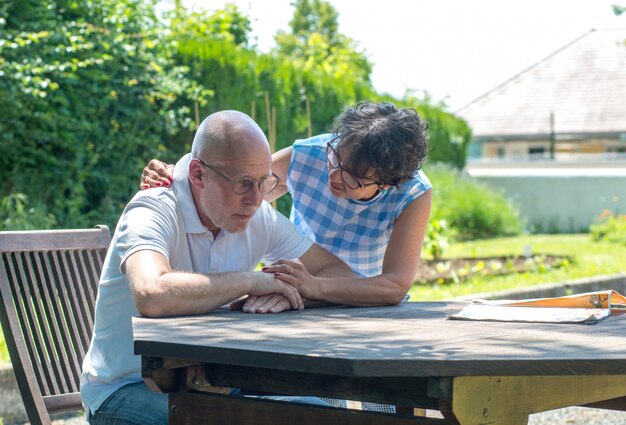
315	43
225	24
18	215
4	354
250	82
609	227
87	91
90	91
457	270
437	238
473	209
449	135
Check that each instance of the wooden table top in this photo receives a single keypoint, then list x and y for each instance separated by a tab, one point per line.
410	340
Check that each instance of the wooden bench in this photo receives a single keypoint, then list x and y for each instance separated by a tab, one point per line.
48	286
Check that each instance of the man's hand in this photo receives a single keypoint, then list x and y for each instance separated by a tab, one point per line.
264	304
157	174
269	285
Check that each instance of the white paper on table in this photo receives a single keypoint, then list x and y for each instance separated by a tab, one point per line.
532	314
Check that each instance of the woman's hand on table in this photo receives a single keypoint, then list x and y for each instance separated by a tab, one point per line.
295	274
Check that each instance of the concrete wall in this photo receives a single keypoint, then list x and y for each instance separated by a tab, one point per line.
558	199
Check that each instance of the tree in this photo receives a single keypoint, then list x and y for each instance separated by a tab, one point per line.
224	24
316	43
314	16
87	90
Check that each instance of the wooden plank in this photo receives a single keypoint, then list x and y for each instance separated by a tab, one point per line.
34	325
612	404
162	380
321	341
35	240
508	400
407	391
193	409
83	334
154	363
439	363
18	347
76	272
74	350
56	349
270	327
92	278
164	375
63	402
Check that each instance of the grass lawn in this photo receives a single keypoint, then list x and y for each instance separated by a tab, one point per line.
4	354
589	259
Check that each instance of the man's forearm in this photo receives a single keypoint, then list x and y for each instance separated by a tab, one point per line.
178	293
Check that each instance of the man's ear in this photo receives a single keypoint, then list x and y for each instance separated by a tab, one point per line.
195	174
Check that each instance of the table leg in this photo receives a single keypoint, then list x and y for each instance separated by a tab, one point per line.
508	400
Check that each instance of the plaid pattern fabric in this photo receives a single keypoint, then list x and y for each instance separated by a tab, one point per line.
373	407
376	407
355	231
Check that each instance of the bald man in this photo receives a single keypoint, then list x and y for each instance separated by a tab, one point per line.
190	250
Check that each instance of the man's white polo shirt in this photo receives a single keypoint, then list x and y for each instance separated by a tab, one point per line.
166	221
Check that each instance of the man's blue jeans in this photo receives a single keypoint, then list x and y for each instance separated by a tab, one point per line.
135	404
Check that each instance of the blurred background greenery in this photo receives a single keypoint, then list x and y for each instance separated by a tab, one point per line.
91	91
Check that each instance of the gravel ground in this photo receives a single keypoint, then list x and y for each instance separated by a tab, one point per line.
571	416
578	416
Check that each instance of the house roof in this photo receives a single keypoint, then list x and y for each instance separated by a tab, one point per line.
583	84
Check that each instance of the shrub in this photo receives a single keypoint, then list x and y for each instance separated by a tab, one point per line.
18	215
472	209
90	91
437	238
87	91
609	227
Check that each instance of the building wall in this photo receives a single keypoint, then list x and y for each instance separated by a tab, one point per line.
563	204
559	199
516	149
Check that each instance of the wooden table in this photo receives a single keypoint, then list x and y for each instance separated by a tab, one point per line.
408	355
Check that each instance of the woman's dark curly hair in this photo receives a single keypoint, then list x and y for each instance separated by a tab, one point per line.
389	145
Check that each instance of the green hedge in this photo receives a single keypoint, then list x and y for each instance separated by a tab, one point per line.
472	209
90	91
609	227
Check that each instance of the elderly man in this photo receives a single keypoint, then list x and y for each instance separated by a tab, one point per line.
188	251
